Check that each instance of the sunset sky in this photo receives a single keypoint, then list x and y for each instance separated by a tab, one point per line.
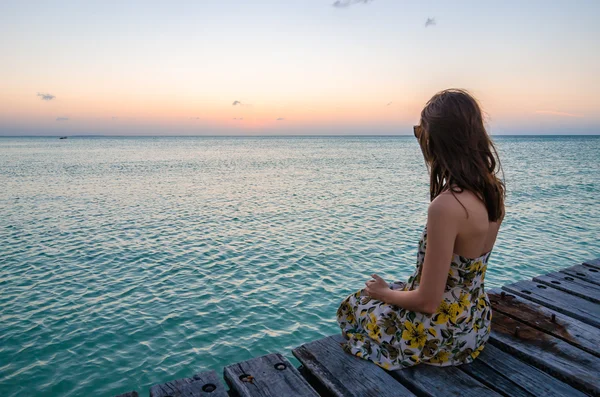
293	67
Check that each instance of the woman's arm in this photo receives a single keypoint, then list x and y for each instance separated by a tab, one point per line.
443	220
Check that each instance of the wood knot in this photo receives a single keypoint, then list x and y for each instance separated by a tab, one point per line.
209	388
280	366
247	378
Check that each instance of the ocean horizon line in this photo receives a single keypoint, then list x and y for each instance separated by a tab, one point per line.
282	136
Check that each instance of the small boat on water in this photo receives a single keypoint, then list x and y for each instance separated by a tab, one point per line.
63	137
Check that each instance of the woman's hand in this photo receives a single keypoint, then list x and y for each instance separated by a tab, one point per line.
377	288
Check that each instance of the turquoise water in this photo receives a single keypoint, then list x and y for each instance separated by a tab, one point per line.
126	262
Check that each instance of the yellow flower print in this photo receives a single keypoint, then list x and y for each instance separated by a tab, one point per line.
476	352
392	352
455	310
476	267
384	365
389	326
414	334
446	312
441	357
463	355
414	358
350	318
357	336
431	346
463	301
481	303
373	329
343	308
365	300
392	336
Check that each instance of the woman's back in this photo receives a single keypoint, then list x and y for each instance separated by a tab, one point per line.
476	235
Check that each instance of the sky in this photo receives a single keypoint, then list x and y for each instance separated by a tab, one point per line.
315	67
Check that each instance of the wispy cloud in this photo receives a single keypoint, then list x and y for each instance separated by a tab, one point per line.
279	119
555	113
114	118
348	3
430	22
194	118
388	104
62	119
238	118
239	103
45	97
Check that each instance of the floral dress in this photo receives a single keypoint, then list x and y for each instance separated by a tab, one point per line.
394	338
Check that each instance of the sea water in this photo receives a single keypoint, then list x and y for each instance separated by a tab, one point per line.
126	262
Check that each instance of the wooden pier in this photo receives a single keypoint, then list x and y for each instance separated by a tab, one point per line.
545	341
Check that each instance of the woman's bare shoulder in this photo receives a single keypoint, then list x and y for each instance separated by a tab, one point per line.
458	203
444	206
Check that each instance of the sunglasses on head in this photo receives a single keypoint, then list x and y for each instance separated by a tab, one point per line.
417	131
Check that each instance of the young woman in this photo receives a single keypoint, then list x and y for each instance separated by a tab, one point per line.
441	315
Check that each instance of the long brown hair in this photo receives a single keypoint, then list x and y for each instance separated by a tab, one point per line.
459	152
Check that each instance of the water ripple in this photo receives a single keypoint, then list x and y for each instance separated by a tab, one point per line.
132	261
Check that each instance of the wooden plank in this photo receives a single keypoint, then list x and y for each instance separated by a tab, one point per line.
581	309
593	263
587	273
510	376
200	385
343	374
552	355
571	285
434	381
270	375
575	332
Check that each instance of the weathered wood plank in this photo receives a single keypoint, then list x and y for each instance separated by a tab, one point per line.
552	355
432	381
271	375
510	376
572	285
587	273
593	263
573	331
343	374
576	307
200	385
